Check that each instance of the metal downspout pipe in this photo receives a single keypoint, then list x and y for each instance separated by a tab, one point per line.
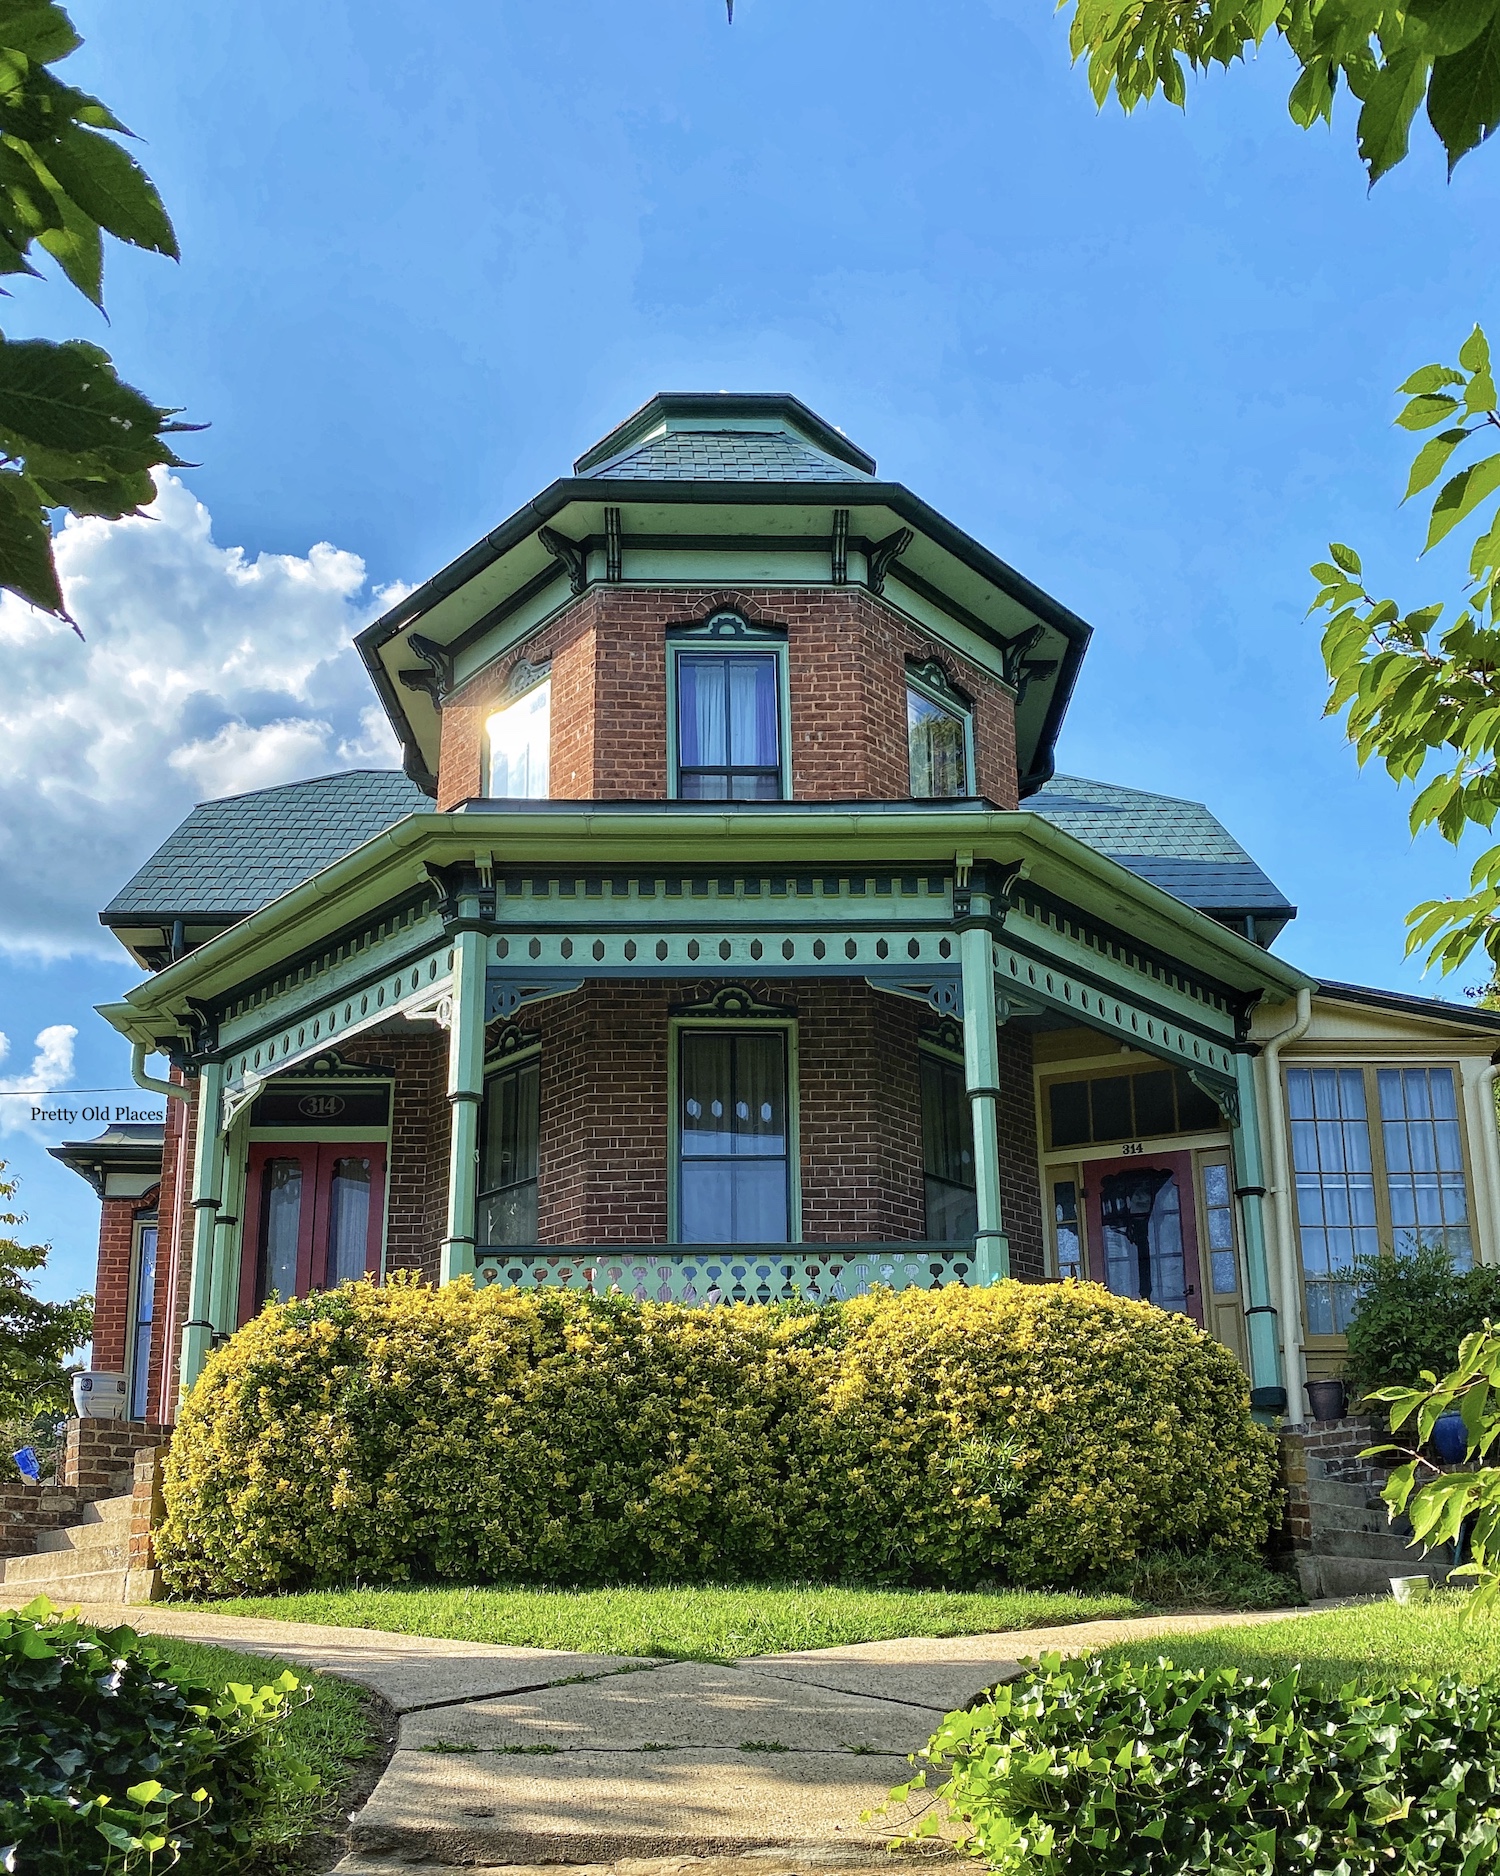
1490	1126
1283	1208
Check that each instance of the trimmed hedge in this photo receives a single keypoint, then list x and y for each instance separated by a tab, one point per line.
1025	1433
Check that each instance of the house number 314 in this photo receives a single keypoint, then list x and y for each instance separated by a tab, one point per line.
1132	1147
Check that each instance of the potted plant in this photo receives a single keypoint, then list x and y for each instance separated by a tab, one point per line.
1328	1398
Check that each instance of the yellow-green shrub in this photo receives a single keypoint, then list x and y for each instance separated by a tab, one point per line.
404	1433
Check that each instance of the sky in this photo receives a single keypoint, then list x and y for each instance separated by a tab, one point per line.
430	253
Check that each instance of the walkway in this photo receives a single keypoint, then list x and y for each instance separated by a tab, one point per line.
526	1756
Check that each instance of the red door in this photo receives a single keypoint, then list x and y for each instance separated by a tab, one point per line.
313	1219
1143	1235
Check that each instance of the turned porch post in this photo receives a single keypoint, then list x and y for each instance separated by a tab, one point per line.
974	922
465	1092
208	1181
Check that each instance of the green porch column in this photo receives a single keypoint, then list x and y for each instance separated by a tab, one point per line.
465	1092
982	1081
208	1182
1267	1379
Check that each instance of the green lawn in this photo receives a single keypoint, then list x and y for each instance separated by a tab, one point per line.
681	1624
1368	1642
331	1733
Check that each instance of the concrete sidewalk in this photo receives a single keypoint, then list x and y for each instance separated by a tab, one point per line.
528	1756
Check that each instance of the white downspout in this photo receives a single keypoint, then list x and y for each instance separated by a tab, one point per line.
1282	1211
1491	1133
173	1090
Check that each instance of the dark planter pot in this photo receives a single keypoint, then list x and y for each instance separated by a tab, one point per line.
1329	1400
1450	1439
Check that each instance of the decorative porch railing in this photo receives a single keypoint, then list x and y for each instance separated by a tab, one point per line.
725	1273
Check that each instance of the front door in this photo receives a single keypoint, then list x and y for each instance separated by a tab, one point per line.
314	1216
1143	1237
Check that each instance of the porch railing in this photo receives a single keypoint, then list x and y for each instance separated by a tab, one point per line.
725	1273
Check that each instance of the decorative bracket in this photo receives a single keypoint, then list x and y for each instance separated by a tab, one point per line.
933	674
437	678
943	995
506	991
1017	668
435	1007
1220	1089
570	554
883	556
733	1000
614	545
236	1100
840	567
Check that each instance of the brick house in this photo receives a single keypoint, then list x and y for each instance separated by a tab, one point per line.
729	934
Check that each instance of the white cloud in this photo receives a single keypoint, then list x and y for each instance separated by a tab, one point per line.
51	1067
203	672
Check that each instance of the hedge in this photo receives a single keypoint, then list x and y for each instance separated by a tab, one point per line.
1024	1433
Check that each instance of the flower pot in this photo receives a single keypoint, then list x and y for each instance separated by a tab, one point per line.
1329	1400
1450	1439
1411	1588
99	1395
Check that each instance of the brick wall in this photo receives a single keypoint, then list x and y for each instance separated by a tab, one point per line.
28	1510
1334	1446
97	1452
417	1164
111	1334
846	655
1020	1175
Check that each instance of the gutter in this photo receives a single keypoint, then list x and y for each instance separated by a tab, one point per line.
172	1090
1281	1194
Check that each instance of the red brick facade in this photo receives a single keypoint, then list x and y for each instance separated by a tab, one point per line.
112	1299
846	667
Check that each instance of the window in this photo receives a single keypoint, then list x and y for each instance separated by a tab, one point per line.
1069	1235
1424	1160
1364	1188
315	1217
1335	1188
733	1137
1218	1219
508	1156
938	744
1111	1108
728	726
520	738
143	1304
947	1153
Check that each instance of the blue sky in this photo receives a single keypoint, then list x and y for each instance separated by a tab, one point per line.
430	253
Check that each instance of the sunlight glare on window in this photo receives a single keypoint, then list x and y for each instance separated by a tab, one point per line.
519	739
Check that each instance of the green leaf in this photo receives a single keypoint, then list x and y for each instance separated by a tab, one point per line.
1450	25
108	184
1463	99
1346	558
26	565
1460	495
40	32
1429	378
1390	104
1423	412
68	397
1430	460
78	248
1474	353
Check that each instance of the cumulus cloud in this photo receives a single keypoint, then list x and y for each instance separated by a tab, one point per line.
51	1067
204	672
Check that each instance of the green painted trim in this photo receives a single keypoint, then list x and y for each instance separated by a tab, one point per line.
324	1136
675	1026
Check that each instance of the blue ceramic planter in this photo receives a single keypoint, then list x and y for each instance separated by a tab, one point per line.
1450	1439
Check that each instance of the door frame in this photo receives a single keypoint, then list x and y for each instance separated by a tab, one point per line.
318	1158
1180	1164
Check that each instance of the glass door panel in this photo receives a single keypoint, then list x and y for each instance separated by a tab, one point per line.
732	1138
1142	1232
314	1218
348	1219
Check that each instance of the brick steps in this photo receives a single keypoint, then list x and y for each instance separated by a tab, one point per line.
91	1541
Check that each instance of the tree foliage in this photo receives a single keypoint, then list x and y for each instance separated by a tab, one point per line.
1421	694
35	1337
1392	57
73	434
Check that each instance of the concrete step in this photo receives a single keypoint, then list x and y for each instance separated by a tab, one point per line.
91	1559
1349	1518
65	1588
107	1521
1381	1546
1341	1492
1360	1576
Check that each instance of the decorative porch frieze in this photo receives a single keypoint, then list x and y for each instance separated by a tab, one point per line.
507	991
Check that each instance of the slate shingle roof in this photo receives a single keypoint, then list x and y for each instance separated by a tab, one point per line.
232	856
728	456
1177	845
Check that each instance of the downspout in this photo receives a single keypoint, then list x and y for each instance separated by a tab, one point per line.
173	1090
1491	1126
1282	1197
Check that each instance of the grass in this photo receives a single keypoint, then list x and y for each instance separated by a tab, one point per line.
1369	1643
686	1624
331	1734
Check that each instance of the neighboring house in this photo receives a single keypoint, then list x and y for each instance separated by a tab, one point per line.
729	935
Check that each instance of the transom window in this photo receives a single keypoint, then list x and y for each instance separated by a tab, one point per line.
508	1156
947	1153
519	739
733	1137
1108	1108
728	726
1361	1188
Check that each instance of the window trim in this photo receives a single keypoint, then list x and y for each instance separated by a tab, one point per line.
931	681
729	631
752	1025
142	1222
494	1067
1369	1068
949	1058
